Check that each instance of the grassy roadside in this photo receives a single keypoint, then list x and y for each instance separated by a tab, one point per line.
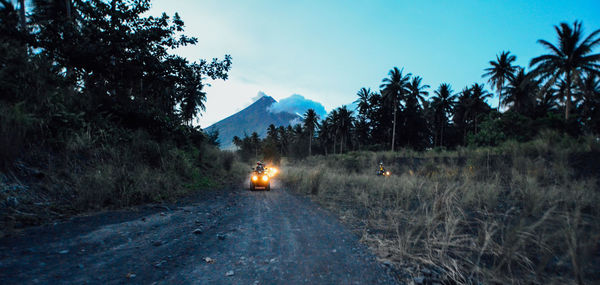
518	213
93	172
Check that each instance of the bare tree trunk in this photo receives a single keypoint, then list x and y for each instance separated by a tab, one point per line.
568	103
499	96
70	26
310	144
405	133
113	13
568	106
22	20
334	143
68	9
442	135
394	128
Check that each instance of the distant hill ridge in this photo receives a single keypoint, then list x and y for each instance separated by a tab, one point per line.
254	118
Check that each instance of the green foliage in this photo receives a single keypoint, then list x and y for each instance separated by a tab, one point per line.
99	67
496	130
490	133
95	112
513	126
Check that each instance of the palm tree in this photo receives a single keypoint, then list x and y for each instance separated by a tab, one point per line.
255	142
416	91
364	107
344	124
590	102
289	139
310	122
521	92
272	134
546	102
500	71
429	116
325	134
283	140
394	89
414	125
590	89
378	121
478	105
363	101
461	109
333	119
443	101
569	60
469	108
193	98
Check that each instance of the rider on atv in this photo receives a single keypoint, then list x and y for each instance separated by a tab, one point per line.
260	167
381	170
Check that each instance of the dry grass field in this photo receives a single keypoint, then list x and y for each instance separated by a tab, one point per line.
521	213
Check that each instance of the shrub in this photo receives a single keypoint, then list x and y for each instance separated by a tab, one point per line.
17	129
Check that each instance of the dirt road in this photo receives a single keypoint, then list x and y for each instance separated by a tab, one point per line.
234	237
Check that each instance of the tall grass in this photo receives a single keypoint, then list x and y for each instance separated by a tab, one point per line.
519	213
106	171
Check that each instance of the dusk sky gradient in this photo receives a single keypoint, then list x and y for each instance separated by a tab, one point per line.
327	50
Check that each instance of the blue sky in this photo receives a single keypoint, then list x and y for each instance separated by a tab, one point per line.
327	50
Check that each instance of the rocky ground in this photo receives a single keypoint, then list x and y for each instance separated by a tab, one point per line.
233	237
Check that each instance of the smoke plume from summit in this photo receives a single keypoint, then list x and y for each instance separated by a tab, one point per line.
297	104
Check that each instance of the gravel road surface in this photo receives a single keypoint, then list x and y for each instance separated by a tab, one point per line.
234	236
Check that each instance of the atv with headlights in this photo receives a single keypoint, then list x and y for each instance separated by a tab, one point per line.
383	172
260	178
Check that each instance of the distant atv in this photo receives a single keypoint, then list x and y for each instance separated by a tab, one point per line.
383	172
260	179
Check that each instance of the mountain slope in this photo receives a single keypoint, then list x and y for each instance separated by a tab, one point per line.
254	118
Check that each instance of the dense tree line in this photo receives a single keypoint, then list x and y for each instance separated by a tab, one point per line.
404	113
96	65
